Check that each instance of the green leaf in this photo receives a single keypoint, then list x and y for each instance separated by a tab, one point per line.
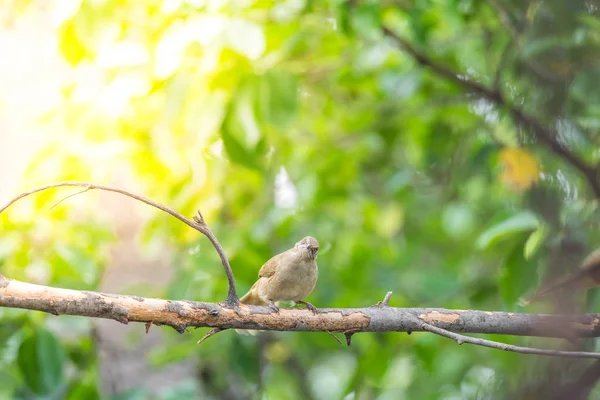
84	390
457	220
278	98
240	131
536	47
585	86
591	21
237	153
516	224
240	121
344	13
366	18
516	276
535	241
41	360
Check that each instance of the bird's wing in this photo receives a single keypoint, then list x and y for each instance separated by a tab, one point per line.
270	266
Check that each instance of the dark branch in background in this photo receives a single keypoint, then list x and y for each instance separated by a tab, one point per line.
546	136
504	57
198	223
516	28
506	20
580	388
184	314
514	41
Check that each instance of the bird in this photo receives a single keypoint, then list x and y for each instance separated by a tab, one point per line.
586	277
288	276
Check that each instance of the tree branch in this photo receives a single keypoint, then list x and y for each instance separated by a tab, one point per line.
183	314
198	223
547	137
460	339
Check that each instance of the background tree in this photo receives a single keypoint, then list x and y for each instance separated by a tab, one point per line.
447	151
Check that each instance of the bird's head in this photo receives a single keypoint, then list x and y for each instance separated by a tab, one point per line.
310	244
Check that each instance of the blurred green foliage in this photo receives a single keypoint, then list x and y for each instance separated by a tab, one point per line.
281	119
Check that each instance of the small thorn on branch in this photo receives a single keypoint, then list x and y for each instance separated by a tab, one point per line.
213	331
386	299
348	335
385	302
148	325
199	218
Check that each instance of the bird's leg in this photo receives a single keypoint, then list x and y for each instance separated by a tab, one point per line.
309	306
273	306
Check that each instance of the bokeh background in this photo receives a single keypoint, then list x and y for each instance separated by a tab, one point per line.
281	119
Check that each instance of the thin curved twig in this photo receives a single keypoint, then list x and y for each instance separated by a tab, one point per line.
460	339
198	223
337	339
69	196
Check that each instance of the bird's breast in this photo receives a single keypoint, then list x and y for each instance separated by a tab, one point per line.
293	281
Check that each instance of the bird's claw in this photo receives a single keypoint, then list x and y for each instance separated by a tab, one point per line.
310	307
273	307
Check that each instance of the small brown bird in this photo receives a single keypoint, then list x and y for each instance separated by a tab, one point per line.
588	276
289	276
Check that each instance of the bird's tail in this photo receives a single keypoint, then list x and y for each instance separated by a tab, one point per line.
251	298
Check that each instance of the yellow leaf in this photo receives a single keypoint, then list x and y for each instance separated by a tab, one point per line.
70	46
391	218
521	169
277	352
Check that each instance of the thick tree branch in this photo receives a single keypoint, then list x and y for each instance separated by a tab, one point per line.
198	223
183	314
546	136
